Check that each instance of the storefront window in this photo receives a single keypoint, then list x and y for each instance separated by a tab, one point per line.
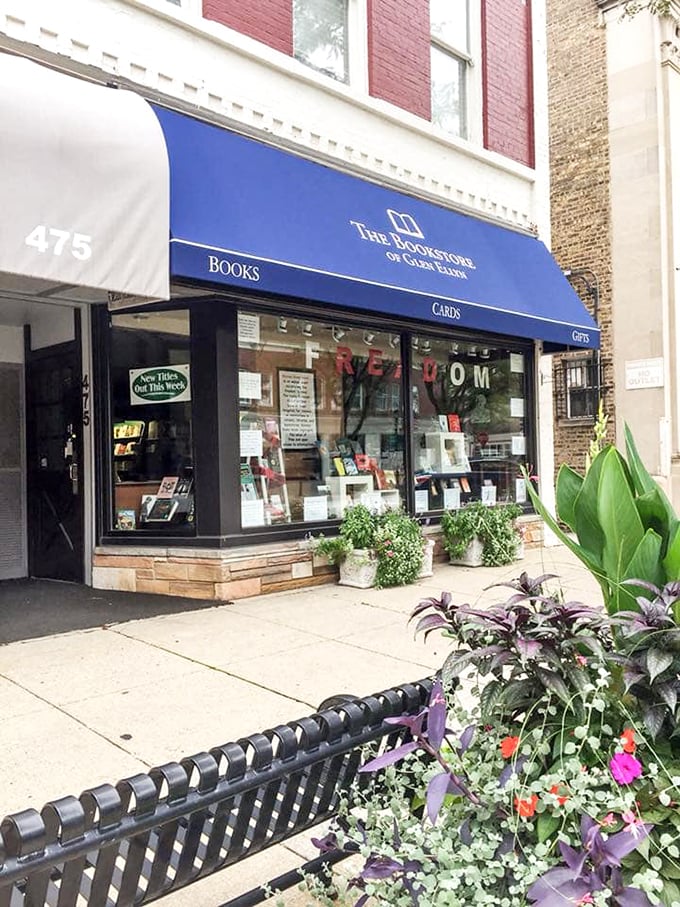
151	413
321	419
470	423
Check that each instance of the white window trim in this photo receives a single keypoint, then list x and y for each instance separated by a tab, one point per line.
474	122
357	39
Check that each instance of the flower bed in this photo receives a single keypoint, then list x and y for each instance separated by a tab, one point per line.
558	787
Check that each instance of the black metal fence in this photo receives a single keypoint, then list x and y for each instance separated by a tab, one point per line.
154	833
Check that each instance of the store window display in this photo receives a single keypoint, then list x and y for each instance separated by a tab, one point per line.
321	419
469	423
152	453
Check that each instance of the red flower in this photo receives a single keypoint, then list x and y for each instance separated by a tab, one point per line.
526	808
561	799
509	746
628	740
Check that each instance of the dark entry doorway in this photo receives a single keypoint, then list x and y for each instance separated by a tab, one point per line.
54	457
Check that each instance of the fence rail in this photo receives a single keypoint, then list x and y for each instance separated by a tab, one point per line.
154	833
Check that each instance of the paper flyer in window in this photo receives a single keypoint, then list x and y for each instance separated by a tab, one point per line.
517	363
248	329
517	407
315	508
250	385
518	445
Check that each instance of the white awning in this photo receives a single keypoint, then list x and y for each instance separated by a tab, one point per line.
84	188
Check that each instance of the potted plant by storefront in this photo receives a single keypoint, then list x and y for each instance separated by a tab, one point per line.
399	546
478	534
353	549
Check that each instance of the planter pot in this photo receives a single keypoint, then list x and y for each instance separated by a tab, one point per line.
472	556
428	552
358	569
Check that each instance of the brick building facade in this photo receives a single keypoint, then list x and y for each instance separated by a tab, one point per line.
580	193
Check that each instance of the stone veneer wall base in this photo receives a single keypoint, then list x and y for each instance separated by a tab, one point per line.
227	574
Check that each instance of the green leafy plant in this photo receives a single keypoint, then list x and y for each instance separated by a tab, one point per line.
625	527
545	787
393	538
494	526
399	546
357	531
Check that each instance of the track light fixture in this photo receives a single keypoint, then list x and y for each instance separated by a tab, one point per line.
282	326
426	347
414	343
369	338
484	353
394	341
338	333
307	329
453	349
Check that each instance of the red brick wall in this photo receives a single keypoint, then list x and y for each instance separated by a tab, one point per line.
507	79
270	22
399	54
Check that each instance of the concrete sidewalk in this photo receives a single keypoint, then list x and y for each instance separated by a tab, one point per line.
100	703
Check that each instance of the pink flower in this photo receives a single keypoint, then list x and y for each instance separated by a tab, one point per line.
608	820
632	822
625	768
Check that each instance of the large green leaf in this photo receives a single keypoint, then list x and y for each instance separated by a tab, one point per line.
619	520
645	564
642	480
585	556
569	484
671	562
586	516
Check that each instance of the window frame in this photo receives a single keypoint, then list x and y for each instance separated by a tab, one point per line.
468	58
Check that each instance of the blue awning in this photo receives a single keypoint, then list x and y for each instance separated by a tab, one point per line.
248	215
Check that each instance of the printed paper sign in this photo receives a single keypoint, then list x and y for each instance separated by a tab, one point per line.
451	498
422	500
517	407
315	508
298	410
520	491
251	442
248	329
489	495
516	362
519	445
250	385
252	513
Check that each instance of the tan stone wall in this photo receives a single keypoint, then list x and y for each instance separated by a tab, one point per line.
230	574
580	177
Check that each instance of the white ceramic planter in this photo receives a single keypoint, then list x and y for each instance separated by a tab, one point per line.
359	568
428	552
472	556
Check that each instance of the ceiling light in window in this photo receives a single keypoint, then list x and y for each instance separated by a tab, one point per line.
453	349
306	329
369	337
394	341
282	326
338	333
426	347
472	352
484	353
414	343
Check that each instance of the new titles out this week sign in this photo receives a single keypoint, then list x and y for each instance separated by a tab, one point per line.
160	384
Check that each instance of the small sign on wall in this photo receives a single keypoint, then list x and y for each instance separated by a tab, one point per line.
160	384
641	373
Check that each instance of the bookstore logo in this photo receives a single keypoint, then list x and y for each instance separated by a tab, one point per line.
404	223
161	384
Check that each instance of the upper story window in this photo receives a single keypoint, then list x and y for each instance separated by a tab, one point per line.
321	36
450	61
